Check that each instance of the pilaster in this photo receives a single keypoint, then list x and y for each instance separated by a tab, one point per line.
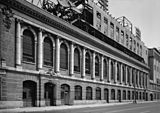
40	49
83	62
72	59
18	43
57	55
109	70
93	66
102	68
115	78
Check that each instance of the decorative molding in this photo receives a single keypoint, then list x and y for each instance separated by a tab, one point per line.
7	16
53	22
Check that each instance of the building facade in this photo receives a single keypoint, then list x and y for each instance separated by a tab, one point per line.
154	75
47	61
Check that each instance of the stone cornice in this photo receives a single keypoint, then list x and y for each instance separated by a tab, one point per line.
51	20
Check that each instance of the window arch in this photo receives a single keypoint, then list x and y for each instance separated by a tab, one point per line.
63	56
105	69
98	93
28	46
76	60
112	71
78	92
88	93
112	94
48	51
96	66
87	63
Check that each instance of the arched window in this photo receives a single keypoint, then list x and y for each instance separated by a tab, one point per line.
105	69
140	79
78	93
133	74
133	96
48	52
98	93
124	95
136	79
88	93
63	57
28	46
112	94
118	72
128	75
124	73
76	60
112	71
87	63
129	95
106	94
96	66
140	95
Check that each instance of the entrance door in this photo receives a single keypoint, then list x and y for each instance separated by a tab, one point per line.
151	96
49	94
106	95
119	95
65	94
29	93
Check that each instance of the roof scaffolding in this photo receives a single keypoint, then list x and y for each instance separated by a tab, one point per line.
125	23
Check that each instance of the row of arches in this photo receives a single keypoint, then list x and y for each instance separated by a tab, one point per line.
30	94
48	51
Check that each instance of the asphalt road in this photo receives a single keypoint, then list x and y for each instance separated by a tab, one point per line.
129	108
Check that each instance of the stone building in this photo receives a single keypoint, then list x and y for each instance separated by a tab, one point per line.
47	61
154	75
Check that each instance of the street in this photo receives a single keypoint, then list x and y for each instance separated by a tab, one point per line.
127	108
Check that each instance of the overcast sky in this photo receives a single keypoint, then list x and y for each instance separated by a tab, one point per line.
144	14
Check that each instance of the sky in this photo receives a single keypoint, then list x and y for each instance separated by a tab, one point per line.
144	14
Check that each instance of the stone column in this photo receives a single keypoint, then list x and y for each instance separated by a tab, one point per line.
115	75
121	68
130	75
137	78
83	62
57	55
126	68
109	70
18	43
102	68
40	49
144	80
93	66
72	59
141	79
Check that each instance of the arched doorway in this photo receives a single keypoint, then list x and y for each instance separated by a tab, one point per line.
29	93
49	94
106	95
151	97
65	94
119	95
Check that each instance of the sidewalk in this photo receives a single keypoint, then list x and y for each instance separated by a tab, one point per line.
50	108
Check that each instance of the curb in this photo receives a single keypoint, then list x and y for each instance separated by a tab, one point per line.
50	108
